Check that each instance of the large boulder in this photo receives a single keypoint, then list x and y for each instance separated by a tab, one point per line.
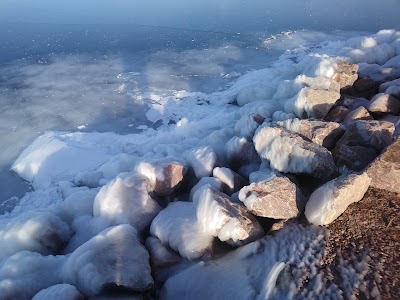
114	257
362	142
337	114
364	87
222	218
384	103
164	176
330	200
385	169
126	199
345	74
289	153
161	256
319	101
276	198
359	113
203	160
240	151
320	132
231	181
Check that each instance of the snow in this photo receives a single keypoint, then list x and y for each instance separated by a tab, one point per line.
60	292
85	183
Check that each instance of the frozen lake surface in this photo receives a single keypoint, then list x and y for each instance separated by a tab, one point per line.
95	66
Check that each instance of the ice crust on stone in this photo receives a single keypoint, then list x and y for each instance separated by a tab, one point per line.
59	292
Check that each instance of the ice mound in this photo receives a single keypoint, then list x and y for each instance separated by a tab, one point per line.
113	257
59	292
126	199
203	160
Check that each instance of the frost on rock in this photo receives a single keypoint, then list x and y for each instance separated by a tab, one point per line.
42	232
126	199
24	274
203	160
160	255
289	153
177	226
212	181
59	292
115	257
330	200
322	133
276	198
222	218
240	151
164	176
231	181
247	125
273	267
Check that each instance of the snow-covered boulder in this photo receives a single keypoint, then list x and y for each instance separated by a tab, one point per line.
354	102
359	113
24	274
247	124
212	181
126	199
222	218
289	153
160	255
330	200
276	198
240	151
42	232
231	181
320	132
203	160
177	226
59	292
385	170
164	176
384	86
114	257
384	103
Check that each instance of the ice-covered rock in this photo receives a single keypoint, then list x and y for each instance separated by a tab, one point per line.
231	181
203	160
364	87
247	124
313	102
337	114
115	257
394	91
384	86
222	218
253	93
24	274
126	199
240	151
160	255
290	153
42	232
177	226
212	181
379	73
61	291
345	74
164	176
330	200
359	113
320	132
276	198
385	170
384	103
264	174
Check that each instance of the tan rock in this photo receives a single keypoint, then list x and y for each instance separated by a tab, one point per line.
330	200
320	132
288	152
320	101
346	74
359	113
276	198
384	103
385	169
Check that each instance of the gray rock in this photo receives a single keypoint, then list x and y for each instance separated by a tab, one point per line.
384	103
276	198
225	219
290	153
330	200
337	114
319	101
359	113
353	102
395	120
231	181
384	86
385	170
320	132
114	257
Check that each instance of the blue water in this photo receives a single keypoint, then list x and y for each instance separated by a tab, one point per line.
83	65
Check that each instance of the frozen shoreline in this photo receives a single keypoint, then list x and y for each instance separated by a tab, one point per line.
67	171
